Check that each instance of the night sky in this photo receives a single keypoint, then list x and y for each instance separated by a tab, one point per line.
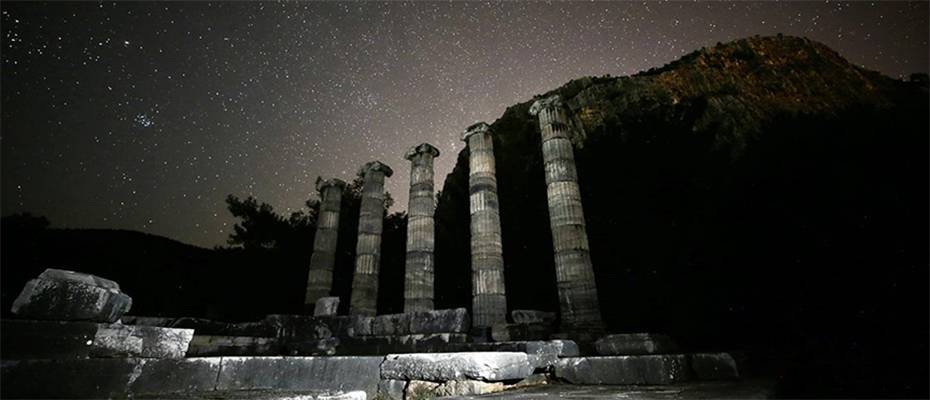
145	116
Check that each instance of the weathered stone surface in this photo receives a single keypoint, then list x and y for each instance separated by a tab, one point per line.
391	389
541	353
428	390
303	335
390	324
213	345
383	345
679	391
176	376
634	344
624	370
326	307
71	296
532	316
489	366
521	332
23	339
440	321
140	341
104	378
301	373
714	366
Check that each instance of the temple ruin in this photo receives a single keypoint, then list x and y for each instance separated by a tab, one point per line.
74	338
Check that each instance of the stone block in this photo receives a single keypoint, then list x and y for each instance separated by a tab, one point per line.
634	344
487	366
624	370
391	389
106	378
390	324
301	373
303	335
427	390
176	376
532	316
541	353
140	341
212	345
71	296
326	307
714	366
440	321
521	332
25	339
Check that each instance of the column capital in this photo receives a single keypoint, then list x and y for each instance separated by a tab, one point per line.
325	183
551	101
376	166
480	127
422	148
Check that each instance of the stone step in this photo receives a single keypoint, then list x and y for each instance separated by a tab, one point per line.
522	332
384	345
28	339
131	377
442	367
629	344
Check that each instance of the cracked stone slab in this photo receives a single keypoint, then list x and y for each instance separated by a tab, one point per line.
71	296
624	370
441	367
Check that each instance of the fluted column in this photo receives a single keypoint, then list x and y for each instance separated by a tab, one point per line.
418	282
489	302
323	259
574	273
368	250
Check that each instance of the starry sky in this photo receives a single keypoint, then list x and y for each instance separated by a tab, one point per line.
145	115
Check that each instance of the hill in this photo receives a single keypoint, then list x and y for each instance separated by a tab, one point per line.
764	194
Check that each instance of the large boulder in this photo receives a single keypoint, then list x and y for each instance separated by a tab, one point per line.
71	296
441	367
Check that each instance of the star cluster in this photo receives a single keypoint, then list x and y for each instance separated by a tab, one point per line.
146	115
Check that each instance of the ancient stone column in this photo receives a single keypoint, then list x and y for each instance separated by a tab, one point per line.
489	302
574	273
323	259
368	250
418	282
